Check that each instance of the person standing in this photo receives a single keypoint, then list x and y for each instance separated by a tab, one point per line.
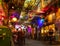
51	35
20	39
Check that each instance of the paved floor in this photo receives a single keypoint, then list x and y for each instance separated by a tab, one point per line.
33	43
30	42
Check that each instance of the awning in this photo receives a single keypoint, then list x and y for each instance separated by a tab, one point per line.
50	7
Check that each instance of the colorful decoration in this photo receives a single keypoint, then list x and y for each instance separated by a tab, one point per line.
40	22
16	14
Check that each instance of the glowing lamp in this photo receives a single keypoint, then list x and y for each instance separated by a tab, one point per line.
40	22
14	19
1	17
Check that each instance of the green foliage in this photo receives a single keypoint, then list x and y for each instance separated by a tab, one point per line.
5	36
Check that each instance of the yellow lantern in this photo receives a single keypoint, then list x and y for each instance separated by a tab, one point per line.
14	19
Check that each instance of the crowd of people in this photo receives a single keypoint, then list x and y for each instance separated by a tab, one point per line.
31	33
19	38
